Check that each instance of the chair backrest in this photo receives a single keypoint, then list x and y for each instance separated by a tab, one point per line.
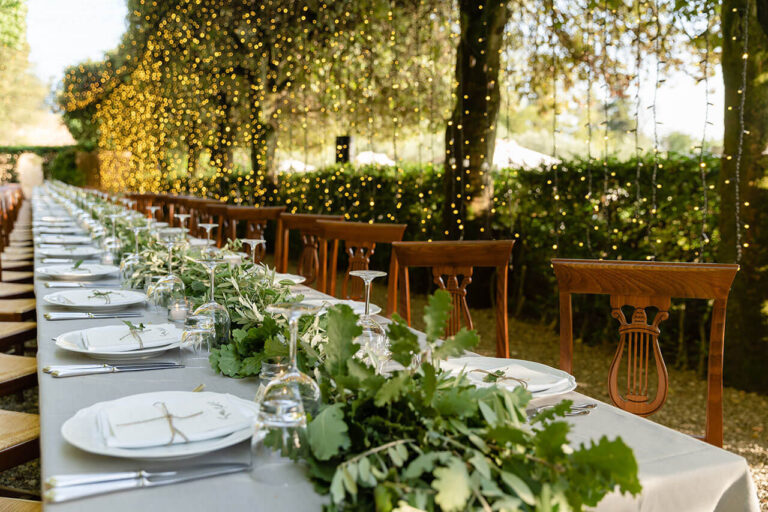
640	285
360	239
256	218
309	260
196	207
452	266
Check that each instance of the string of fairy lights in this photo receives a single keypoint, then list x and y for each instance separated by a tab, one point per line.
194	82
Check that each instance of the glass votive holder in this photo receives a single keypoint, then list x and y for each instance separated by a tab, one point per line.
178	311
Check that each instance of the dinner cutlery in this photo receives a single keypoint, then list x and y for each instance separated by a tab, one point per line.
87	316
79	284
71	487
53	367
575	409
109	368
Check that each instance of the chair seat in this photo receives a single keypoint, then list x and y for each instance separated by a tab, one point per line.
16	367
12	276
16	291
15	310
21	243
17	256
16	505
19	250
17	265
17	428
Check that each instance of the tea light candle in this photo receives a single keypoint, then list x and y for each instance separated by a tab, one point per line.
177	312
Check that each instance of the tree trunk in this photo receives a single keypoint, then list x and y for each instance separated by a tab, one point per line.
221	152
470	135
746	354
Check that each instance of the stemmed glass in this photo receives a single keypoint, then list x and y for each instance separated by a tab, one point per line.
182	221
373	339
216	311
252	243
307	388
152	213
131	261
169	288
208	226
199	333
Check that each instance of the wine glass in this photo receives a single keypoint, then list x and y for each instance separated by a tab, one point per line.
307	387
373	339
196	340
279	428
182	221
212	308
152	213
208	226
170	287
252	244
132	260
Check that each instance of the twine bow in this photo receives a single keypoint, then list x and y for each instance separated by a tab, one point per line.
499	378
169	418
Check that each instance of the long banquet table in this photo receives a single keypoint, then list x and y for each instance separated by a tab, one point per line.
678	473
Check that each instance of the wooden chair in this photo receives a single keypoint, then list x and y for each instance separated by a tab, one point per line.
256	218
360	239
17	310
14	334
195	206
449	262
19	438
309	260
640	285
17	505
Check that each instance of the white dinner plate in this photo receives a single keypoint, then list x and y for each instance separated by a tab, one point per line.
55	220
83	431
357	307
73	342
72	251
567	385
94	299
295	279
67	272
65	239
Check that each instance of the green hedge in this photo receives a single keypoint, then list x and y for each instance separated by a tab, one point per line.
58	162
595	212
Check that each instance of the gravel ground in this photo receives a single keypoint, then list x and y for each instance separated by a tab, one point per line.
746	414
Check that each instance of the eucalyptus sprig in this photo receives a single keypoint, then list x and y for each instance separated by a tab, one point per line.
77	264
104	294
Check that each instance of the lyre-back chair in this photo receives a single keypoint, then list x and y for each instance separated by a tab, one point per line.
360	239
309	259
641	285
452	267
255	218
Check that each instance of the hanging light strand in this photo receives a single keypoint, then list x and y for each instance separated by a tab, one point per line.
740	147
702	147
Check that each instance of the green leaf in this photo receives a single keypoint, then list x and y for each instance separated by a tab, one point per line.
404	344
327	432
456	346
251	366
424	463
436	314
519	487
612	458
452	485
341	331
273	347
392	389
228	362
337	486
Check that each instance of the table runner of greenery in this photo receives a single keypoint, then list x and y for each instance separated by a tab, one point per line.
417	438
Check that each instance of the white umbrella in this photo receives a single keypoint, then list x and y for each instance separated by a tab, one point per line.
509	153
295	166
371	158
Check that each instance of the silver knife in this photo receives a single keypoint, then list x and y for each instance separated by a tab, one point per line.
77	372
71	487
85	316
53	367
